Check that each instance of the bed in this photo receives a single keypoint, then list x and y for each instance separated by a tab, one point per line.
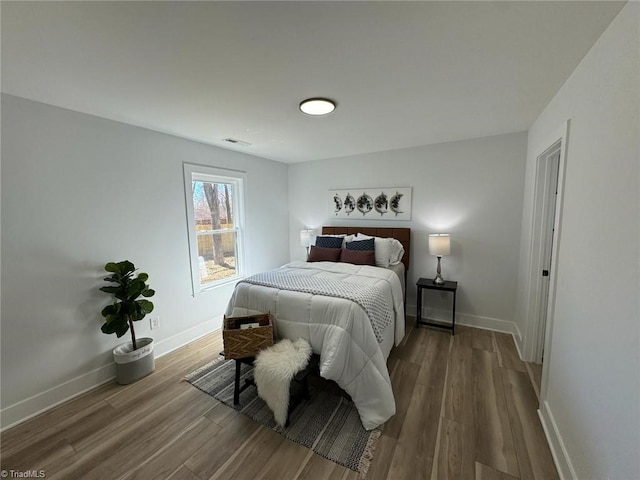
352	332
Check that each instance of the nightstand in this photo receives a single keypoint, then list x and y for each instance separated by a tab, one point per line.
429	285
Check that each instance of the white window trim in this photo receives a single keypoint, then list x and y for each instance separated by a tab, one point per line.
205	173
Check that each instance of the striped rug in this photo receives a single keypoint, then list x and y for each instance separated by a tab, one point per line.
328	424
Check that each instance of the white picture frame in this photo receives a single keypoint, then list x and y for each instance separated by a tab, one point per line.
380	203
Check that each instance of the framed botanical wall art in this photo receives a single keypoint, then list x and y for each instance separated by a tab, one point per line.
382	203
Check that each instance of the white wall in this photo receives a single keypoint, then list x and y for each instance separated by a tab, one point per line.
592	397
471	189
79	191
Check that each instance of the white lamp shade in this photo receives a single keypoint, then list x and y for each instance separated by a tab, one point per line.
439	244
305	237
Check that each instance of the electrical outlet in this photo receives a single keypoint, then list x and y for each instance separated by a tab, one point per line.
154	322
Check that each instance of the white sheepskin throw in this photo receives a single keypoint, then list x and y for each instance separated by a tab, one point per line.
275	367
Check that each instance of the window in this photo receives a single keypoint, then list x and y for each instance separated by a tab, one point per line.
214	211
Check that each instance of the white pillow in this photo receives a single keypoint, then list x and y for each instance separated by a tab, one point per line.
388	251
397	251
348	239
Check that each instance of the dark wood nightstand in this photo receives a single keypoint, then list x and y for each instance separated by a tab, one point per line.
447	287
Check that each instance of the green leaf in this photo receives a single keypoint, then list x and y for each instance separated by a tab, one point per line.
146	306
128	308
135	289
127	267
115	318
108	328
112	267
136	281
121	329
143	276
148	292
110	289
110	310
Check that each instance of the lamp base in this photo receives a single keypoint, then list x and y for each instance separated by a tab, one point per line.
438	280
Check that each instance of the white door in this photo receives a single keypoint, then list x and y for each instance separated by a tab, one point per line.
550	163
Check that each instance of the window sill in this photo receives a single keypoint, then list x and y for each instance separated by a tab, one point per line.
222	283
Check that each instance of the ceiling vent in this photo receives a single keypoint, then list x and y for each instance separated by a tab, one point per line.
235	141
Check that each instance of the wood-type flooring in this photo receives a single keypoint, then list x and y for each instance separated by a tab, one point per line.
466	409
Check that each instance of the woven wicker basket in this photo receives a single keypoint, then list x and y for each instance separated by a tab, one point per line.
247	342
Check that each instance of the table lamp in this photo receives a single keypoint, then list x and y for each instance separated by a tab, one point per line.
439	245
305	238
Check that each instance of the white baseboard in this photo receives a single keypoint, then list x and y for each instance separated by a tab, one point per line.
517	339
556	445
181	339
486	323
30	407
518	334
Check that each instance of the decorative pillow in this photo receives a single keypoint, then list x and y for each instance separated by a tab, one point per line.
320	254
325	241
368	244
345	238
358	257
389	251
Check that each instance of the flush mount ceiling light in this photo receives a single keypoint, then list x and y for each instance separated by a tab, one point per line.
317	106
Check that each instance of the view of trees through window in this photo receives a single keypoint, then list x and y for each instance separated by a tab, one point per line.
215	230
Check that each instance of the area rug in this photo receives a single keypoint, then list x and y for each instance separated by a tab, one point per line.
327	423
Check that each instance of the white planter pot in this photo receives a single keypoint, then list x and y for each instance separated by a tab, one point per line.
131	365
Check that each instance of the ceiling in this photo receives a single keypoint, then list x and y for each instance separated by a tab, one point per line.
402	73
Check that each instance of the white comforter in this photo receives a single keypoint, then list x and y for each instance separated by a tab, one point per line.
337	329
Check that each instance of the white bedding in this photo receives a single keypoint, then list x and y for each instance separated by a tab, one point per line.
337	329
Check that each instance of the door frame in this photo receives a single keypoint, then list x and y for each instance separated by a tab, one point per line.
546	201
535	332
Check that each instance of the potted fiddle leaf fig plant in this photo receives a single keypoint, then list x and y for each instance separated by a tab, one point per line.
133	359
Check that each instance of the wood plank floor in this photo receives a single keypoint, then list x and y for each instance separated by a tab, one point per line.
465	410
